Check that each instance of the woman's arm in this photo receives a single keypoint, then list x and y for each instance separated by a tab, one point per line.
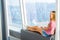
46	28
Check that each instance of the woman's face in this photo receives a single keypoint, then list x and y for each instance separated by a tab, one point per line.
51	15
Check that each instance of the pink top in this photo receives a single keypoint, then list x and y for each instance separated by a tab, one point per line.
52	28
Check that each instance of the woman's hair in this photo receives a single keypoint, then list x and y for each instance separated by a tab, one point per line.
53	15
53	12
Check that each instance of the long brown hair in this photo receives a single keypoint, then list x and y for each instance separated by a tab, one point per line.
54	18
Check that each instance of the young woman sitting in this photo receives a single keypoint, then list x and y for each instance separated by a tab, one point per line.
46	31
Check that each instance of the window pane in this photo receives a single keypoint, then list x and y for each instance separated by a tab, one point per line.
14	15
38	12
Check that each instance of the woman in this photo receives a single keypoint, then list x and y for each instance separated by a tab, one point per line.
47	30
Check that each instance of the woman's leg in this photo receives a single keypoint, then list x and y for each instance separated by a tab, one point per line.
39	29
35	28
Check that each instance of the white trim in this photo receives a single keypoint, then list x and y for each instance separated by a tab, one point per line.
22	9
6	16
41	1
57	17
24	14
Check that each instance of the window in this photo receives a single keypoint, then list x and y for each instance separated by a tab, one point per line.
28	13
14	15
38	11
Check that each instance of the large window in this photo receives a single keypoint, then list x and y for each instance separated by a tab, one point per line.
34	12
38	11
23	13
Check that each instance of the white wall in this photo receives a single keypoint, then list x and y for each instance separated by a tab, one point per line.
0	23
59	16
59	12
0	29
57	19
